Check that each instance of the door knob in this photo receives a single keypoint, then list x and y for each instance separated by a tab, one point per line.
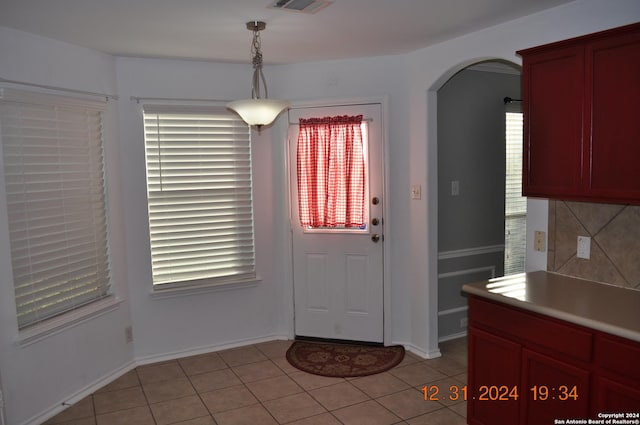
375	237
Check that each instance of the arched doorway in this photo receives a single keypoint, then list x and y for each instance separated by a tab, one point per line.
471	184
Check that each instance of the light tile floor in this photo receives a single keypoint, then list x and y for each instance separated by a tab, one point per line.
255	385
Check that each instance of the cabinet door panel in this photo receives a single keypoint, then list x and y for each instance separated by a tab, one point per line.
613	86
613	396
556	400
494	362
553	121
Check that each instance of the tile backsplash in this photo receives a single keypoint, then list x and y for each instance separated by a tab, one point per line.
615	241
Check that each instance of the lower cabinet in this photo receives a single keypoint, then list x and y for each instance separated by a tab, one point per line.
552	389
502	360
530	369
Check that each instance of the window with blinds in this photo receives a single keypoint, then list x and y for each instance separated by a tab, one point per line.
55	194
199	195
515	220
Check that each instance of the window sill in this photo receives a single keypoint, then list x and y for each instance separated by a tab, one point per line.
182	290
66	321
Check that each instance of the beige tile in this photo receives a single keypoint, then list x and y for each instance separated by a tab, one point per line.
380	384
84	421
82	409
202	363
128	380
408	403
284	364
272	388
240	356
367	413
568	228
252	415
599	268
439	417
160	372
274	349
460	409
309	381
594	216
257	371
338	395
620	239
293	407
447	365
462	378
228	398
322	419
417	374
409	358
168	390
216	380
119	400
137	415
182	409
205	420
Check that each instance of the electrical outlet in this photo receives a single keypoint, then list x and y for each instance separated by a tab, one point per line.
584	247
128	334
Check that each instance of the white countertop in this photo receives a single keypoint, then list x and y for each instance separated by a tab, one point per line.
599	306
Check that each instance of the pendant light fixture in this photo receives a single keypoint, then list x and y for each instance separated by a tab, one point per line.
258	110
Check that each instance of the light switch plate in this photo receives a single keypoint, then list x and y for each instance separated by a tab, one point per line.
416	192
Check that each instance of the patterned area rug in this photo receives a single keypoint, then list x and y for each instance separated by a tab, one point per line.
343	360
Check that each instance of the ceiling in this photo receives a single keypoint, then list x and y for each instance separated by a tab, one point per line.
215	29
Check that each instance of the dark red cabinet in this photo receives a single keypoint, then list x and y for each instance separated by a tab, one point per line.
581	126
559	370
501	359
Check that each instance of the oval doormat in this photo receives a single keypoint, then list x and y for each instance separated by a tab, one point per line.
343	360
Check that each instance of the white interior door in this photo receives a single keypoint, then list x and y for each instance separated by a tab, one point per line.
338	274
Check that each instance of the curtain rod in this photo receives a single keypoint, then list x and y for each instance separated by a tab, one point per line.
174	99
328	122
43	86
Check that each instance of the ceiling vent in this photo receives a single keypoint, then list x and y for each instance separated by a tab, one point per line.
304	6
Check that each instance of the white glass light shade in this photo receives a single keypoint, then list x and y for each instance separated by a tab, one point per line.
258	111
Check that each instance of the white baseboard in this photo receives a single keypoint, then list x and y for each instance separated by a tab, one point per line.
79	395
453	336
154	358
139	361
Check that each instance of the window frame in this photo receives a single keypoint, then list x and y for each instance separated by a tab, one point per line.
73	314
207	283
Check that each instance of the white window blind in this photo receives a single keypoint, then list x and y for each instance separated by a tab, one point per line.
199	194
515	203
55	193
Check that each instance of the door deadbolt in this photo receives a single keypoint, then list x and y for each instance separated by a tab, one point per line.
375	200
375	221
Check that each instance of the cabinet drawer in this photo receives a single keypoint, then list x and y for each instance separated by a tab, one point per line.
618	355
532	329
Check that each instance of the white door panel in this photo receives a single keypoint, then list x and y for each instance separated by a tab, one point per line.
338	275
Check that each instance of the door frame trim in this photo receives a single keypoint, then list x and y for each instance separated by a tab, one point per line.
386	287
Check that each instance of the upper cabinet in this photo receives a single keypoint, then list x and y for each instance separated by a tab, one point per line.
581	104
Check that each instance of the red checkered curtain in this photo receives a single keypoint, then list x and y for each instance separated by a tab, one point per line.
331	172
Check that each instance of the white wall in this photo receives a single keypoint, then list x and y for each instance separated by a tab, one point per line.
37	378
205	321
